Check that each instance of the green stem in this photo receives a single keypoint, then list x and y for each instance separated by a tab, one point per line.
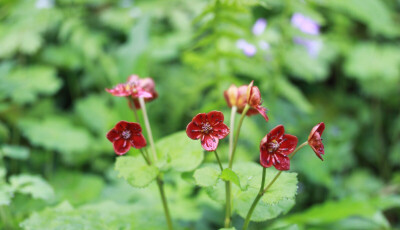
228	185
164	202
148	128
258	197
232	154
160	185
134	109
228	204
263	191
232	127
148	161
219	162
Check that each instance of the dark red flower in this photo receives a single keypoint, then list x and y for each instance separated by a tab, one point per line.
136	87
246	94
315	140
124	135
275	147
209	128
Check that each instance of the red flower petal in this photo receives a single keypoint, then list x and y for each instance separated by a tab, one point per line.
193	131
133	79
262	111
319	128
209	142
282	163
265	159
199	119
121	126
255	97
119	91
249	91
315	141
215	117
138	141
134	127
220	131
113	135
142	93
121	146
288	144
276	133
147	84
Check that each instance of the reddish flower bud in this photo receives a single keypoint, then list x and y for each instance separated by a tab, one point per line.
124	135
275	147
209	128
246	94
315	140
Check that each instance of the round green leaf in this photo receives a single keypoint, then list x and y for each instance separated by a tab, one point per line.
135	171
182	153
206	176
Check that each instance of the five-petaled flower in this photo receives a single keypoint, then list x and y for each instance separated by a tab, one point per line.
136	87
209	128
315	140
245	94
275	147
124	135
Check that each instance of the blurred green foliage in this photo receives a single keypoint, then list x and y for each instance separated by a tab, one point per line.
58	56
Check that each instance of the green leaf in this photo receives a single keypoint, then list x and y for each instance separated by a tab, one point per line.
206	176
293	94
263	211
233	228
6	194
96	104
73	186
381	23
182	153
100	216
283	188
229	175
278	199
16	152
56	133
322	213
374	67
32	185
135	171
25	85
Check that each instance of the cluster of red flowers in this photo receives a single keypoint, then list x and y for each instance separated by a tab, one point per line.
274	147
209	128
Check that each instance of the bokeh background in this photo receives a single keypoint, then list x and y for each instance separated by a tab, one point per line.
336	61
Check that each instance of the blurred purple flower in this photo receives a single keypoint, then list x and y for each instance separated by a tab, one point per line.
313	46
305	24
259	26
247	48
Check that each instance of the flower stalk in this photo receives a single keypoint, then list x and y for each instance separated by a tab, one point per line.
264	190
232	154
148	128
160	185
219	161
228	185
232	127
